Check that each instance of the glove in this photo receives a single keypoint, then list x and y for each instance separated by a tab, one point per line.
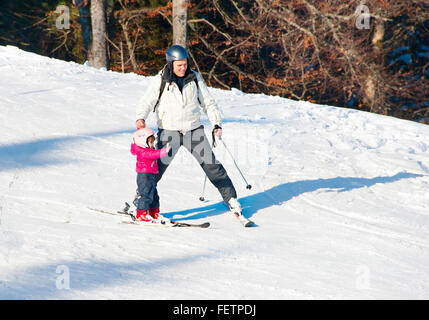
217	131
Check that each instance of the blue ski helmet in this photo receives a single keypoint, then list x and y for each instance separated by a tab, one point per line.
176	52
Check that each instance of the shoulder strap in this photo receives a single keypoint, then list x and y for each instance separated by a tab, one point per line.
161	90
162	87
198	89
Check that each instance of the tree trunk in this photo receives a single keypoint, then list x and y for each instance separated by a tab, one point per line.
180	18
130	45
98	54
377	41
373	95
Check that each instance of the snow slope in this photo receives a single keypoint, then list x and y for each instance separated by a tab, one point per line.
340	197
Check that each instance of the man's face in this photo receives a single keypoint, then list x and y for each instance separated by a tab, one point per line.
179	67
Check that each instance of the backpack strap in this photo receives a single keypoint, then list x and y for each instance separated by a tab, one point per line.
162	87
198	90
161	90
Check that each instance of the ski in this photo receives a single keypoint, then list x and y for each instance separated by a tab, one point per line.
240	217
172	224
153	224
243	220
117	213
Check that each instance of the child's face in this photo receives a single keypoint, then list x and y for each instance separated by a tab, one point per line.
151	142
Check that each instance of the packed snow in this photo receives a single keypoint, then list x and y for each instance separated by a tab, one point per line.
340	197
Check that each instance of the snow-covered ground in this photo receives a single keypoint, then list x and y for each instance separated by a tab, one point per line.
340	197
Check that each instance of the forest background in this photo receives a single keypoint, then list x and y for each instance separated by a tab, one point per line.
366	55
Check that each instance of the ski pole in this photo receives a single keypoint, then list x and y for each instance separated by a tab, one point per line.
204	188
248	186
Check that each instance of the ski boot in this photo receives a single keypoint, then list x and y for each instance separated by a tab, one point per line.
154	213
235	207
144	216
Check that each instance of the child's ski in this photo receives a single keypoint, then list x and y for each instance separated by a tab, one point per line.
154	224
174	224
118	213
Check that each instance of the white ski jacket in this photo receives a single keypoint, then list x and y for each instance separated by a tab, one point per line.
179	111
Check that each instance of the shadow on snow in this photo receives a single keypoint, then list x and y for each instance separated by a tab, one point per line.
282	193
43	152
59	280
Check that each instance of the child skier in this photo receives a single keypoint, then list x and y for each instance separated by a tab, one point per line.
147	169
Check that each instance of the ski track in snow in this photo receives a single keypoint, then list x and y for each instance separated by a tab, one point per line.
339	197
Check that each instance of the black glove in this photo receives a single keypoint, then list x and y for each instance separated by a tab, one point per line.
216	127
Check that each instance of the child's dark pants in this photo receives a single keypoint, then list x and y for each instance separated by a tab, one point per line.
149	198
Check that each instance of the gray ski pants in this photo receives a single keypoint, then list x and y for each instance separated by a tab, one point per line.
196	142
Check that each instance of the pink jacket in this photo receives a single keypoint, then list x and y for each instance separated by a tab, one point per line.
146	158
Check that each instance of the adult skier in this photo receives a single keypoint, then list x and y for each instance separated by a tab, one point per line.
177	94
